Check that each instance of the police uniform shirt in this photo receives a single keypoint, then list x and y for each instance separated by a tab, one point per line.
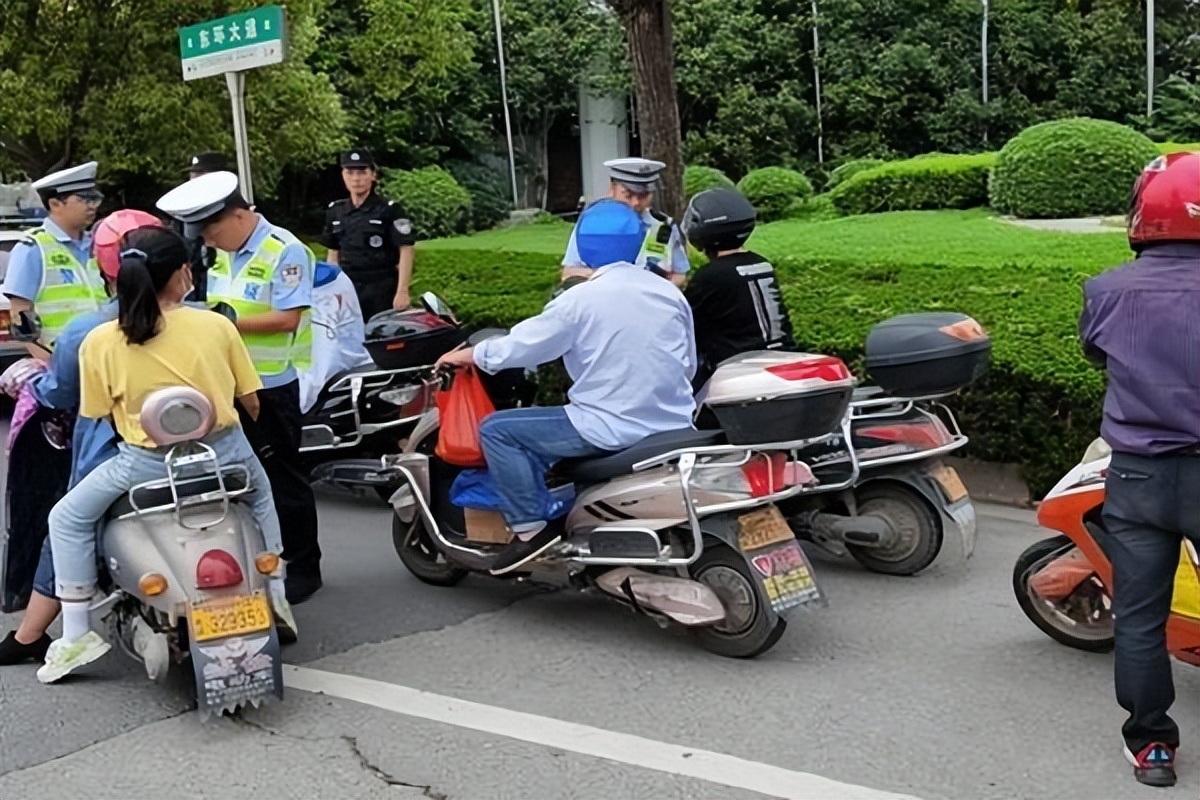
25	273
368	237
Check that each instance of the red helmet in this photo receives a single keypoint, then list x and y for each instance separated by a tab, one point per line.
109	232
1165	206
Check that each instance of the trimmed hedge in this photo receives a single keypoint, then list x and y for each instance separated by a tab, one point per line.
848	170
434	200
697	179
771	190
942	181
1069	168
1040	406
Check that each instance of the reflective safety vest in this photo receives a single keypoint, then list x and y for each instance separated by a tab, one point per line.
655	250
249	293
69	289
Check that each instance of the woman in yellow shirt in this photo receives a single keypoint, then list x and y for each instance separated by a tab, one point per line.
156	342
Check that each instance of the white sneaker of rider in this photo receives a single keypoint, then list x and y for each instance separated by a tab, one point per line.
65	657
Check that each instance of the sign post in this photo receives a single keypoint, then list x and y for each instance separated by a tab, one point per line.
230	46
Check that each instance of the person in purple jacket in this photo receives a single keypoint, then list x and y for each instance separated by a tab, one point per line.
1141	322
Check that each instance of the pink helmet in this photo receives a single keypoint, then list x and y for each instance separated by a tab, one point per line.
109	232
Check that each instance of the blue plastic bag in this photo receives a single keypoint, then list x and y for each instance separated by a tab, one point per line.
475	488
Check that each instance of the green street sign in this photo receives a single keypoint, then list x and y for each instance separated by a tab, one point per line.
254	38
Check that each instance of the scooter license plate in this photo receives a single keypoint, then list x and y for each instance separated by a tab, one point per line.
229	616
952	485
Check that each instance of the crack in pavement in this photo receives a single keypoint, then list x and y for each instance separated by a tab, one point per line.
426	791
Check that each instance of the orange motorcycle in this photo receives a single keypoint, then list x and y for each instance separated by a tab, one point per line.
1063	584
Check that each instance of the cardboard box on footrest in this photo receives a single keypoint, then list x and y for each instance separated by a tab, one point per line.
486	527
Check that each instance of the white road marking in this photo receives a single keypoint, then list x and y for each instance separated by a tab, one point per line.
624	748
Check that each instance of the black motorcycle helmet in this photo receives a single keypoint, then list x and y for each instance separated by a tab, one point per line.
718	219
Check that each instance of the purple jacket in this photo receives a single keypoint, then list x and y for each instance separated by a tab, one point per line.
1142	323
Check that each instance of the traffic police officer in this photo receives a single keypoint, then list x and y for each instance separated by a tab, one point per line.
370	238
203	258
52	271
266	274
633	181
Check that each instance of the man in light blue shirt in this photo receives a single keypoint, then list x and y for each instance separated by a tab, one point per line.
663	249
266	274
52	271
626	338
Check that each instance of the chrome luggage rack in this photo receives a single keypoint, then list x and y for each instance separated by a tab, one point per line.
355	383
686	461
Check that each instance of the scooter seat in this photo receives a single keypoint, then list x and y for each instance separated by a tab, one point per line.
235	481
603	468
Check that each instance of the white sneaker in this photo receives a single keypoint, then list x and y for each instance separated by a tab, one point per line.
285	622
64	658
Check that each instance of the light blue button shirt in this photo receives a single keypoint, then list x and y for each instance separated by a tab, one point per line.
627	341
94	441
289	289
676	250
25	269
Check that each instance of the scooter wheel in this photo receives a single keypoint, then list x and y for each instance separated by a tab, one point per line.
917	527
418	553
1082	620
747	630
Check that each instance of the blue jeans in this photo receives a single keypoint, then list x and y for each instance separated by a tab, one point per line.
74	519
520	445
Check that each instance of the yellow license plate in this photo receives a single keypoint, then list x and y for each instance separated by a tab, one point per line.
762	528
952	485
232	616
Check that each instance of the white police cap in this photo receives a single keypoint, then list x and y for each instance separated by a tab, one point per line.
636	174
199	198
66	181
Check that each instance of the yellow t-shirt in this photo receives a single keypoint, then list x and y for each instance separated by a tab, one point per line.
193	347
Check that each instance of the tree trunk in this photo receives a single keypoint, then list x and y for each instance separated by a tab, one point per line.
648	29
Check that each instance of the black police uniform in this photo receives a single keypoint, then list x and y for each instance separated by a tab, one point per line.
368	239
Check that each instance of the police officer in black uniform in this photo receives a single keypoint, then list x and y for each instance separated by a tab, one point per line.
203	257
370	238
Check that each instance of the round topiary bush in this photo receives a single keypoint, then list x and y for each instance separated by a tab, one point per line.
772	190
851	168
1069	168
491	197
435	202
697	179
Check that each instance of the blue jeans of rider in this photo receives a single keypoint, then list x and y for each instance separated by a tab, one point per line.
520	445
1151	505
74	519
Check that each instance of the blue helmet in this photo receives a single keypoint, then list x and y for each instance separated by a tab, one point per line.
607	232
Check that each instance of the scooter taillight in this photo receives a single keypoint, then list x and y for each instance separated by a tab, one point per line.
217	569
770	473
826	368
925	435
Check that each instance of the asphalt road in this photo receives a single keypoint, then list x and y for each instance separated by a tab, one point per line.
934	687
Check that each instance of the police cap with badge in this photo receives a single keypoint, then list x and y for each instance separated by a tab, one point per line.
638	175
200	200
204	163
359	158
80	180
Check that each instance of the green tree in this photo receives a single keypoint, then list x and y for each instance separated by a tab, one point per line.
101	79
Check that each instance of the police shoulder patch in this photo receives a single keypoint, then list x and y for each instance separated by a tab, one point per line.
403	226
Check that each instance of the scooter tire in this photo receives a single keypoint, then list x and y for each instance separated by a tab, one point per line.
904	508
720	565
419	555
1031	556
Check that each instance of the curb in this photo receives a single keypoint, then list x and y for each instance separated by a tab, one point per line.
990	482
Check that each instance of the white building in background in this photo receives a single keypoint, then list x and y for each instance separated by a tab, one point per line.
603	135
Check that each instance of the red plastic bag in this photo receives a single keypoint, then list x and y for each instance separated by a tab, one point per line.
461	409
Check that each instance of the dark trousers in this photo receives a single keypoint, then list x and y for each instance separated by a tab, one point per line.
375	292
38	476
1152	503
275	437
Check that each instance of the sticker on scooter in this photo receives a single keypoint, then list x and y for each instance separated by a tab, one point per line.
787	576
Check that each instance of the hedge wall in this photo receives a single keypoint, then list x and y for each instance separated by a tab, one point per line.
1040	407
936	181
